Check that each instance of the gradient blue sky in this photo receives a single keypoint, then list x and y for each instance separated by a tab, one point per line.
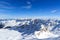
29	8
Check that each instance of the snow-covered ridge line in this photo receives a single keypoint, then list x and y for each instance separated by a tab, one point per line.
19	22
31	26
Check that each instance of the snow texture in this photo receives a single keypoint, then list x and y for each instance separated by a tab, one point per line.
30	29
6	34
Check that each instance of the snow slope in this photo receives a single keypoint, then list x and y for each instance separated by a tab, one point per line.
6	34
44	35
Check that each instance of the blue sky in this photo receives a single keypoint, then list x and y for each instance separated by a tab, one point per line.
29	8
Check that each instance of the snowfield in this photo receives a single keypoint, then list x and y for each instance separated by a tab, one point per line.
30	29
43	35
6	34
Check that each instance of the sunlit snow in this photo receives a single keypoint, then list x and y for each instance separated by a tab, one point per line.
29	29
45	33
6	34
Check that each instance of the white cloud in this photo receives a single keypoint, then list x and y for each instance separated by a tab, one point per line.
28	2
27	7
53	11
5	5
4	2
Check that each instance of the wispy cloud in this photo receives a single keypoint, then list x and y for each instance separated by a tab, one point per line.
53	11
5	5
4	2
28	2
28	5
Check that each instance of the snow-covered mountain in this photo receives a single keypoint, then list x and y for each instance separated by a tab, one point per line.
29	28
